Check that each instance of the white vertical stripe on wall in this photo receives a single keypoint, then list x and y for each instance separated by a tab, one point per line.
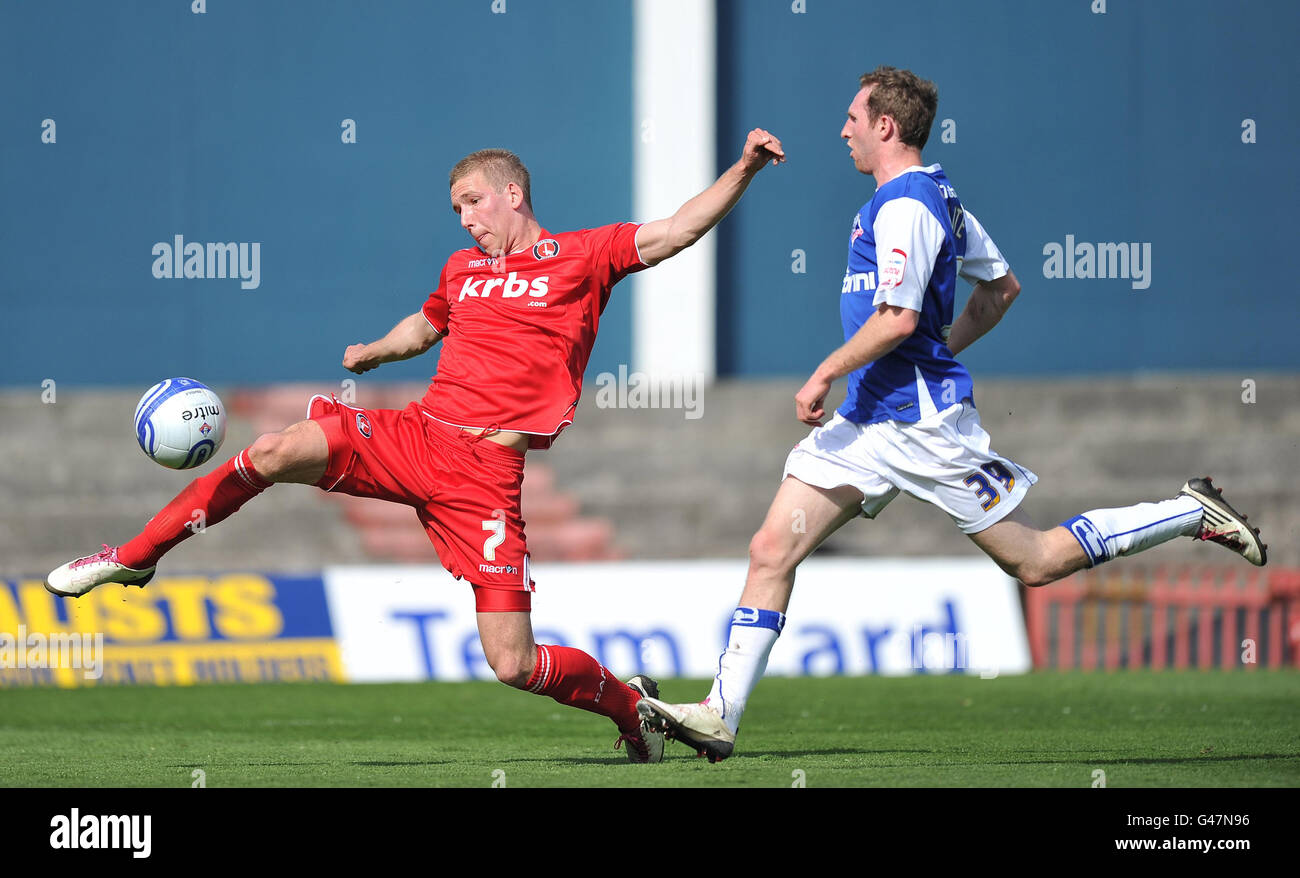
674	158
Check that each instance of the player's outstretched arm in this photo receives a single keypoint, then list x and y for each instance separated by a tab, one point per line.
988	302
658	240
410	338
878	336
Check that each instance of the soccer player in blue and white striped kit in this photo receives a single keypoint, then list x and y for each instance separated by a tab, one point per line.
908	422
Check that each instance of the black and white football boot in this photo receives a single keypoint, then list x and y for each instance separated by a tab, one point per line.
648	744
1224	525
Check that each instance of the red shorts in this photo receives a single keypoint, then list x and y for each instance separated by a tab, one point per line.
465	490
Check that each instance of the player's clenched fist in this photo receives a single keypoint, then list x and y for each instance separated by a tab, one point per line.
760	148
358	359
809	402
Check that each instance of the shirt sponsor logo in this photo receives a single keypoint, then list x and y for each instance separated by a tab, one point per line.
511	286
856	283
546	248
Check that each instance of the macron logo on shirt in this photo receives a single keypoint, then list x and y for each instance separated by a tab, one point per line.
512	287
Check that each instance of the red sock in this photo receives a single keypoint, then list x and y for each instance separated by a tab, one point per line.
217	495
572	677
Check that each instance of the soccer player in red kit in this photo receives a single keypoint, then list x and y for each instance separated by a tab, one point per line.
519	314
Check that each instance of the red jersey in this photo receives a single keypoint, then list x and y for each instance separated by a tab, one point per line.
519	334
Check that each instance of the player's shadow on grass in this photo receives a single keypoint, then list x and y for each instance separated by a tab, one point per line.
835	751
1109	760
209	764
368	764
682	752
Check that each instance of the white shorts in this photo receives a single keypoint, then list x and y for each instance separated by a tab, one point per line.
944	459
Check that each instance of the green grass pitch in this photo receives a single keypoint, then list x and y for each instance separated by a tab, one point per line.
1050	729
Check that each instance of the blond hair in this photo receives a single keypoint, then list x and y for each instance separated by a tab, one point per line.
499	167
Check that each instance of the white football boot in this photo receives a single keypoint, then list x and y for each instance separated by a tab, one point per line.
1224	525
698	726
75	578
648	744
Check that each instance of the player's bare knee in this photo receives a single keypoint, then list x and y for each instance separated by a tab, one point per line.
1035	575
769	551
267	454
513	670
282	456
1047	578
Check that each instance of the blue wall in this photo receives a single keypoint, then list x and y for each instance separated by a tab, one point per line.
1117	127
226	127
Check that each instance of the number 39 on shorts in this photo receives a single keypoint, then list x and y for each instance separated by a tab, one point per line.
988	494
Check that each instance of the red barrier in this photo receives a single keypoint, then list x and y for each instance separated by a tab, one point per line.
1124	616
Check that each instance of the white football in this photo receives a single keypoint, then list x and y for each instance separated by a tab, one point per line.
180	423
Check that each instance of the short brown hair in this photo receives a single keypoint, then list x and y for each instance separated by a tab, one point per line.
499	167
906	98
